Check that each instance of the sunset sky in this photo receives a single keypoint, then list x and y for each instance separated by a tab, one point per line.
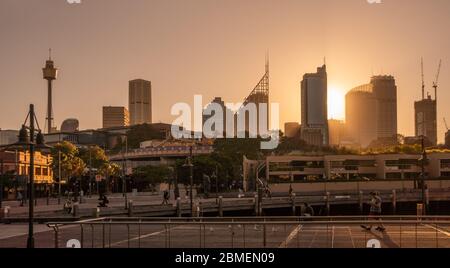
216	48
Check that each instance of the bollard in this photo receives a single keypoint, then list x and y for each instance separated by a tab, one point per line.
75	210
126	201
178	206
130	208
360	202
394	202
220	206
5	212
198	210
293	204
96	212
327	197
427	200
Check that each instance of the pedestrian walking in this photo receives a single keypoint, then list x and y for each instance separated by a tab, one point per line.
375	212
166	197
20	198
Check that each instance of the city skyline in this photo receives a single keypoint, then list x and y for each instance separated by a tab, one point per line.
95	73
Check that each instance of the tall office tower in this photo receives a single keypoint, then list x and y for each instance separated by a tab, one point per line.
50	73
371	111
385	92
291	129
360	115
259	96
425	119
314	107
207	114
140	101
336	131
115	117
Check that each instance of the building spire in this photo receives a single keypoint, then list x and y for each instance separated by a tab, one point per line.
49	54
267	61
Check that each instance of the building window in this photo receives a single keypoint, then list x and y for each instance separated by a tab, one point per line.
445	163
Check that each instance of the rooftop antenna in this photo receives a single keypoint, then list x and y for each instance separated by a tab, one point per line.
423	81
49	54
267	61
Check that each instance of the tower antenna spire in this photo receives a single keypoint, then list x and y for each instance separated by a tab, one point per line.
49	54
267	61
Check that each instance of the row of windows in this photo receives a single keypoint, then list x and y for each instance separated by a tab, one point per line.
39	171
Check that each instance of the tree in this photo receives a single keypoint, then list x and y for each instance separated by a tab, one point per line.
150	175
71	164
95	155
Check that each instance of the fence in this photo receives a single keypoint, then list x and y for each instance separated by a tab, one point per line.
251	232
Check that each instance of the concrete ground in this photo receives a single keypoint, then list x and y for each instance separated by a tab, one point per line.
226	236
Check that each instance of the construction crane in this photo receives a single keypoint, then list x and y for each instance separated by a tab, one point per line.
435	83
423	80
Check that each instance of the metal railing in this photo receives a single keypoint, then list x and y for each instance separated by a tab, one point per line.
251	232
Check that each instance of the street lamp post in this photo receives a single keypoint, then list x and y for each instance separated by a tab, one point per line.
191	178
59	177
1	182
423	161
27	141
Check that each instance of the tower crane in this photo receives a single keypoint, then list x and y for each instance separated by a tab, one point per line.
435	83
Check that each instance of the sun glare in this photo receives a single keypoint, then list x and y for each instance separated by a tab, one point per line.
336	103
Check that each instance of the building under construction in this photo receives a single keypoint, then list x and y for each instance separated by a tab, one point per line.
425	112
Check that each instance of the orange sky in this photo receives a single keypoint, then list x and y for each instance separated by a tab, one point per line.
215	48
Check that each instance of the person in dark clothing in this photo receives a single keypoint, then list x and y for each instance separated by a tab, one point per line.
309	211
103	201
166	198
375	211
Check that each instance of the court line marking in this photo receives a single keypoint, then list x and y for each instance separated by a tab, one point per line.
438	229
351	236
140	237
291	236
332	237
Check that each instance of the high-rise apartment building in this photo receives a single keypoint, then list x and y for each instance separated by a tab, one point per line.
314	107
115	117
140	102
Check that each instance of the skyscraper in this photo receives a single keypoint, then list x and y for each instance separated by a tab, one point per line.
425	119
371	111
222	120
115	117
140	101
314	107
360	115
385	92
